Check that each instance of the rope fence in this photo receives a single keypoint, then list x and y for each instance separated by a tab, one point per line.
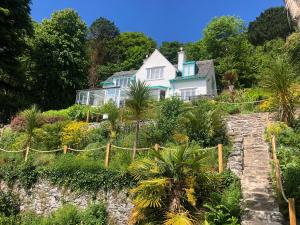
109	148
279	186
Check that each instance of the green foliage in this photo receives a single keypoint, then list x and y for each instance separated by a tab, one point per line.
9	204
94	214
15	170
170	50
81	174
278	77
113	114
204	124
16	25
271	24
58	59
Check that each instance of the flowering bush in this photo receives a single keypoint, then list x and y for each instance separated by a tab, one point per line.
275	129
75	134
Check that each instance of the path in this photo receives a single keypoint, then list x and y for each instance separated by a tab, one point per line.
251	161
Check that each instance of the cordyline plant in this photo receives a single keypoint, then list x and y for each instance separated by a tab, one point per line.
167	183
279	77
32	118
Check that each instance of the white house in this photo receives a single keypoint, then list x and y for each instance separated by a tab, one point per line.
187	80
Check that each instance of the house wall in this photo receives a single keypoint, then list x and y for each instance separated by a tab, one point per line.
200	85
157	60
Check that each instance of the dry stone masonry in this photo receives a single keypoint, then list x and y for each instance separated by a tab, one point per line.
251	162
45	198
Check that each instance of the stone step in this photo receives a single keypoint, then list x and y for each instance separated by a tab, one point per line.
264	217
259	223
265	204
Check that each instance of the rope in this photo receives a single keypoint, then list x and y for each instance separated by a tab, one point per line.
131	149
173	149
210	148
236	103
86	150
55	150
1	149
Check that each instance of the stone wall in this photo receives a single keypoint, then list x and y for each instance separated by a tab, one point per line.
45	198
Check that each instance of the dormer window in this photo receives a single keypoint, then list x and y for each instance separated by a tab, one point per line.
189	69
155	73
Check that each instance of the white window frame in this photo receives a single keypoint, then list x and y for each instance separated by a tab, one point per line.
122	82
186	93
155	73
189	69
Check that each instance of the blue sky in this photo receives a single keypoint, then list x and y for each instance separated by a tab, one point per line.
163	20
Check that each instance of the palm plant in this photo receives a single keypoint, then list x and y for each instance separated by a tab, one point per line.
138	102
32	119
113	113
168	183
279	77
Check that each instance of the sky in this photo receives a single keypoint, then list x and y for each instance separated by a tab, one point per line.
162	20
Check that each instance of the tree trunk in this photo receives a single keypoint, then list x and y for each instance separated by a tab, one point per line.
137	128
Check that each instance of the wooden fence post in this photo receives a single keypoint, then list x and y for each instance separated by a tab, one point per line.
88	116
274	148
278	177
156	147
108	146
220	157
26	153
65	149
292	211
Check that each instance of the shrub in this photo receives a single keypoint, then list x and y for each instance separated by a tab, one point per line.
18	123
9	204
95	214
52	119
49	136
68	214
74	134
275	129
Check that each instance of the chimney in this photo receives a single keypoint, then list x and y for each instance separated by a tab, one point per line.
181	59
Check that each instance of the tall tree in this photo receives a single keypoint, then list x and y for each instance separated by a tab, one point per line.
101	33
273	23
59	59
15	25
128	50
170	50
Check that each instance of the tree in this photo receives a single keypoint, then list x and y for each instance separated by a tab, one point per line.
103	29
278	76
113	113
219	31
226	42
138	102
15	25
128	50
273	23
32	118
59	59
168	184
101	33
170	50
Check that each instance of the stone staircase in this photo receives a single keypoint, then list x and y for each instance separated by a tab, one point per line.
251	162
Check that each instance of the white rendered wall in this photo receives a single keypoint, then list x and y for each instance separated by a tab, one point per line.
200	85
157	60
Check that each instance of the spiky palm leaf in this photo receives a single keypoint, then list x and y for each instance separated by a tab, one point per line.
181	218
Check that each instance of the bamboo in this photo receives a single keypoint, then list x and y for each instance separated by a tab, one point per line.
65	149
274	148
220	156
292	211
26	153
108	146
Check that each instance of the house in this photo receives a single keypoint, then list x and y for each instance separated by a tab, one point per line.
187	80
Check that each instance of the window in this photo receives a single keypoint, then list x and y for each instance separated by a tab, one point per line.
187	94
189	69
155	73
123	82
